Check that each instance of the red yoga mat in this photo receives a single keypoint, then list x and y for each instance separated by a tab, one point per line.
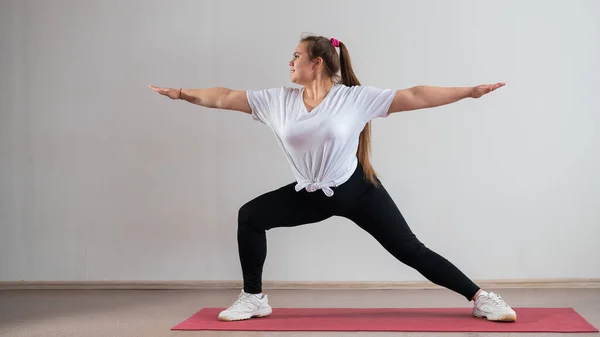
393	319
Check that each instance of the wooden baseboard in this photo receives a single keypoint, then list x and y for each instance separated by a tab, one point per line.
326	285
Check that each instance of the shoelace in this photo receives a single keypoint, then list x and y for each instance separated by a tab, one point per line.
497	299
240	301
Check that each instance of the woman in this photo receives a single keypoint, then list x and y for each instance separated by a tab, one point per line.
323	128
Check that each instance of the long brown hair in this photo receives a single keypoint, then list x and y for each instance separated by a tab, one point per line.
320	46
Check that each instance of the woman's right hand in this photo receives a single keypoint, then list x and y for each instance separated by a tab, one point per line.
169	92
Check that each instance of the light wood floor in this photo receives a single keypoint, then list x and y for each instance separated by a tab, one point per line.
151	313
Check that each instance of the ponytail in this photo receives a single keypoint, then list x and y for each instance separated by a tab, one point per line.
364	142
320	46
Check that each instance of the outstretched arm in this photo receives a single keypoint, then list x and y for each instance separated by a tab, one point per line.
422	97
218	98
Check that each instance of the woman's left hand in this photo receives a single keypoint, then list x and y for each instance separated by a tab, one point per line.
483	89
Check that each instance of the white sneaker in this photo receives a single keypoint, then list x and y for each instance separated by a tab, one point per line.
493	307
246	307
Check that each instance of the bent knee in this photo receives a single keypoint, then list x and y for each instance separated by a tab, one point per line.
245	215
249	218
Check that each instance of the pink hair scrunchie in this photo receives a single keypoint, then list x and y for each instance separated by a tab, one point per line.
335	42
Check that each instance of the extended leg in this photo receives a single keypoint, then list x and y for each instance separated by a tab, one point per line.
377	214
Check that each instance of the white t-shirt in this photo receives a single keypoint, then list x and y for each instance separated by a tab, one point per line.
320	145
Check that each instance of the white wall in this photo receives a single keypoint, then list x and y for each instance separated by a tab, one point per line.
103	179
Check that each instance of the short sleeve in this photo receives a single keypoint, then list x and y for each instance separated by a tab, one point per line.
264	103
373	102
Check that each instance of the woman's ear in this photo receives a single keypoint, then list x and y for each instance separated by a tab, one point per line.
318	61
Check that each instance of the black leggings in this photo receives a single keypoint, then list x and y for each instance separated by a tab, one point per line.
369	206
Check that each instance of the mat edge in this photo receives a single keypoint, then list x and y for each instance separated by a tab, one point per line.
181	326
290	285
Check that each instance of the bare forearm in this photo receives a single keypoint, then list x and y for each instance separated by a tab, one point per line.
431	96
209	97
424	96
